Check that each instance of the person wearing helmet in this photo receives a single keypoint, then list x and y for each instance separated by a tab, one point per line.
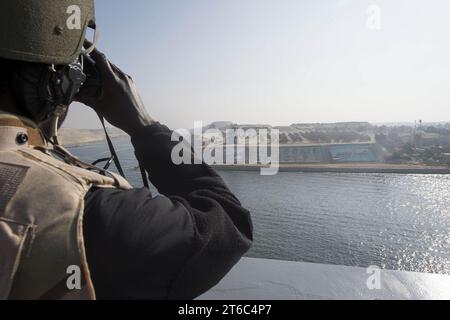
60	217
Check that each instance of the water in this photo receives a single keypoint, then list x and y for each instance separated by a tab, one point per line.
399	222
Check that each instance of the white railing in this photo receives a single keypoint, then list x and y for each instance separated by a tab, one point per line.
260	279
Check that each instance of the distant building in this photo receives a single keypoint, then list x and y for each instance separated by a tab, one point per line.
304	154
333	153
353	153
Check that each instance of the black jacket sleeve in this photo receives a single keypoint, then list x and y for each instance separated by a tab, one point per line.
175	246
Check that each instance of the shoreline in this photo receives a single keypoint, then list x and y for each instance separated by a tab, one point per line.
90	142
343	168
72	138
306	167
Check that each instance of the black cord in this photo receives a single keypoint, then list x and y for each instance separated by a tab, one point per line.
111	148
116	158
144	176
108	162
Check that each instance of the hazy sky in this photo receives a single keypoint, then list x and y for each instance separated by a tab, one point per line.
280	61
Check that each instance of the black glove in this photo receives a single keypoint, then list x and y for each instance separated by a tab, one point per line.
112	94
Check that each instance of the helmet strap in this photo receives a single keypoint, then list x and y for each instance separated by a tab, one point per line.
89	50
60	110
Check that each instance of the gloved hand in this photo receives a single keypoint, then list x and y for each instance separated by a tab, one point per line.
112	94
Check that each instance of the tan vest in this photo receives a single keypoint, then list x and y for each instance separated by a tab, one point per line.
41	217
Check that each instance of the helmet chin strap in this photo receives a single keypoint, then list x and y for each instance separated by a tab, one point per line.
89	50
60	111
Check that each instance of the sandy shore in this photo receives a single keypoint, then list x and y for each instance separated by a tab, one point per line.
346	168
78	137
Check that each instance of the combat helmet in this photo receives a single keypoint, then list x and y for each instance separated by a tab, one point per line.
44	31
